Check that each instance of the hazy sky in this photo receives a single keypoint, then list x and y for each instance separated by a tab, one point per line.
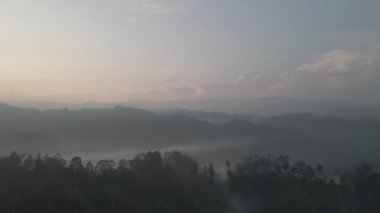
119	50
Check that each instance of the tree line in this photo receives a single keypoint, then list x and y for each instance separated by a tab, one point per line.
153	182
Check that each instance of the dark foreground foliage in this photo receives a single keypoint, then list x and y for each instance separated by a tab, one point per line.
174	182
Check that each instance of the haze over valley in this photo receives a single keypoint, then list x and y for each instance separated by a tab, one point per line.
211	137
190	106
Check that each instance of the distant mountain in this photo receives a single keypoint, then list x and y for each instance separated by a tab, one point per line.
360	134
239	106
109	129
276	106
209	136
213	117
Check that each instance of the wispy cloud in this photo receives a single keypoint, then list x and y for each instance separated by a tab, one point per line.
154	7
143	9
335	74
338	62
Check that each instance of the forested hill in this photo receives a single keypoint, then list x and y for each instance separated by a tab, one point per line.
174	182
117	127
330	140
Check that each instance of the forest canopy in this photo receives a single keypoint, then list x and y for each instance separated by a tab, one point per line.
175	182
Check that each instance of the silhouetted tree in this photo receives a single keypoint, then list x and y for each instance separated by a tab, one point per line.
174	182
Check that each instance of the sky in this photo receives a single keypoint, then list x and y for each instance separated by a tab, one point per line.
122	50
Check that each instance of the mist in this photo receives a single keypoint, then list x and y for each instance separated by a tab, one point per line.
193	106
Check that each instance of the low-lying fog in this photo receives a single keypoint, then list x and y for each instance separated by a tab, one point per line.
122	132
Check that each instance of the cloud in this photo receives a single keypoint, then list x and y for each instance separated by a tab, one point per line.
337	74
243	86
169	84
177	88
154	7
169	92
338	62
142	9
334	75
341	69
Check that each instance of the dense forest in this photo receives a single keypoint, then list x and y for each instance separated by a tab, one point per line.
175	182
